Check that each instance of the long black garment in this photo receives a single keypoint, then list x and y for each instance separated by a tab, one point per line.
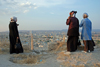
73	40
73	34
93	42
72	43
88	45
13	34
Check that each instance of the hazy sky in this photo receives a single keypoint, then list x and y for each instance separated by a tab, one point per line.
47	14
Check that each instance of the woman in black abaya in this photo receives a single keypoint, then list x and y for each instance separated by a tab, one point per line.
13	35
73	33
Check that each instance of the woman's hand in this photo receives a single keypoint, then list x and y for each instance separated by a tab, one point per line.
17	37
17	24
68	17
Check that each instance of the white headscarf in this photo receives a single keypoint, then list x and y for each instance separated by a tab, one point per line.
85	14
14	19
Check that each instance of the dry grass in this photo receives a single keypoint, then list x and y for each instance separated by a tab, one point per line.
1	52
4	51
53	47
97	65
63	46
20	58
4	47
25	59
98	45
26	48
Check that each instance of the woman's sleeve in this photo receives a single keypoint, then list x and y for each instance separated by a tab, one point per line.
68	22
81	24
16	30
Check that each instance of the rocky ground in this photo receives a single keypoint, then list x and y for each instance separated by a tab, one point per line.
49	62
52	59
80	59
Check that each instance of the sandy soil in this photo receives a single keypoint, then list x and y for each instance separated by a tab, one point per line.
59	59
49	62
80	59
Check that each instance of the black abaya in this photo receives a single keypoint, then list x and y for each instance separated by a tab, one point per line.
13	34
73	34
72	43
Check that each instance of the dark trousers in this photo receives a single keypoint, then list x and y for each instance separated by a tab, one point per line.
88	45
72	43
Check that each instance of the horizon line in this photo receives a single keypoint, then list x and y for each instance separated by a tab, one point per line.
44	30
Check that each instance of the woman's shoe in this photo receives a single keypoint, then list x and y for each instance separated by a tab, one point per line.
84	51
67	53
89	51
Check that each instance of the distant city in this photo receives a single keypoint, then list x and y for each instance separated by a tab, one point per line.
43	38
